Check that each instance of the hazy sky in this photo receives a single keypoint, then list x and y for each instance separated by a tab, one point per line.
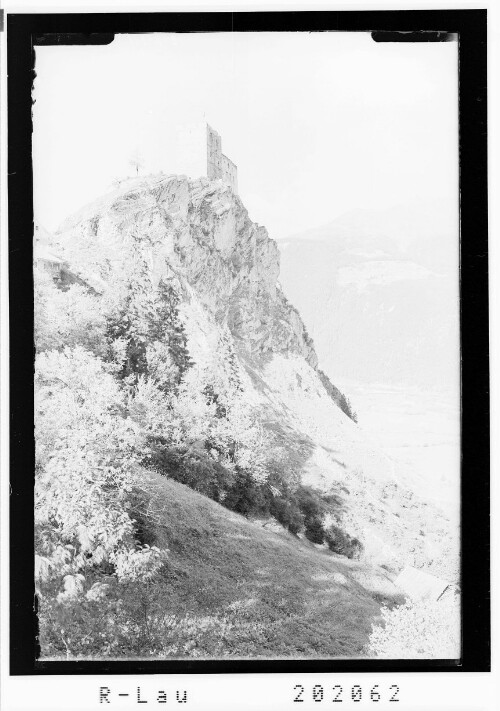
318	124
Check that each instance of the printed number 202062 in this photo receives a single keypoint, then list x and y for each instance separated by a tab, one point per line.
338	694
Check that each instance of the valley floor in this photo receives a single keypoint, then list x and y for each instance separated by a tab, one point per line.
420	431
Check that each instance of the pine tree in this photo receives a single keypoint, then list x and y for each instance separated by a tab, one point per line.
227	355
132	321
169	328
122	326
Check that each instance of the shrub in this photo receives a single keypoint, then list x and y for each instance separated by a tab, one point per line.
67	318
310	502
424	629
194	468
287	514
128	620
314	530
313	508
237	488
87	455
246	496
341	542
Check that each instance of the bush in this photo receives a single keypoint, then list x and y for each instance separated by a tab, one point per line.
313	509
128	620
196	469
301	510
287	514
310	502
424	629
87	452
69	318
314	530
246	496
341	542
235	488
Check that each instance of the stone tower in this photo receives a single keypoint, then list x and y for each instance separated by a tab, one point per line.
219	166
198	152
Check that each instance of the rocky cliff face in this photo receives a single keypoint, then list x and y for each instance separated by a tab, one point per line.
202	232
198	234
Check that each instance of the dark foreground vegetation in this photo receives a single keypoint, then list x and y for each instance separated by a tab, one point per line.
228	588
297	508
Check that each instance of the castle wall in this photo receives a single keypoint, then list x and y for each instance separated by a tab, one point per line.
230	173
219	166
198	152
214	155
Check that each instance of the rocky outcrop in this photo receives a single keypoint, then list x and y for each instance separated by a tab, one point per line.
201	231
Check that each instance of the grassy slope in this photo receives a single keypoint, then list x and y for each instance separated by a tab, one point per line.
284	596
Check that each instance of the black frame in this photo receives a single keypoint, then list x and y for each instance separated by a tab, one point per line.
26	30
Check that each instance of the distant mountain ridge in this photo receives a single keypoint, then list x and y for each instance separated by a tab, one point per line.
378	291
424	231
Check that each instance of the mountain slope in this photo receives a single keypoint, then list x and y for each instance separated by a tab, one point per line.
232	588
198	236
284	597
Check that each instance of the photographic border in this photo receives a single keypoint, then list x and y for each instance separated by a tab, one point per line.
24	32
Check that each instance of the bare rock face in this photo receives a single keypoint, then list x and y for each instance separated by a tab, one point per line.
234	266
202	231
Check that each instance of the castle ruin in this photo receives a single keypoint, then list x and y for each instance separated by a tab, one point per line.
220	166
199	153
